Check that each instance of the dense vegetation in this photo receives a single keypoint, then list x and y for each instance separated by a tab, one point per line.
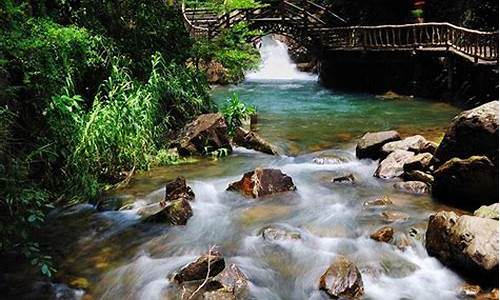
90	91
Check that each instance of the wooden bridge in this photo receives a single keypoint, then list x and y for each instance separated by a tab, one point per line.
321	30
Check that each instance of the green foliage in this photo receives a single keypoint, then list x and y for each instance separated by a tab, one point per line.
223	6
235	111
231	49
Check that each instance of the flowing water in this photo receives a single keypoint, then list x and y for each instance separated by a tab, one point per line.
122	258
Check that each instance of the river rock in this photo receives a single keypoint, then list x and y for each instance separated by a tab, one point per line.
472	181
347	179
413	143
420	162
490	211
178	189
492	295
412	187
176	212
206	133
370	145
395	216
342	280
252	140
384	201
384	234
469	291
466	242
419	176
231	282
197	270
429	147
263	182
473	132
392	165
276	232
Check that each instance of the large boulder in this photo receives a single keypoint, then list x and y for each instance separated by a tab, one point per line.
370	145
205	134
473	132
392	165
490	211
413	143
198	269
263	182
467	243
472	181
342	280
252	140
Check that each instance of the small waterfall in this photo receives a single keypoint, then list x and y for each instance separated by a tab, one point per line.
276	64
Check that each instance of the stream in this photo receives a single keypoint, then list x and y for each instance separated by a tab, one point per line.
122	258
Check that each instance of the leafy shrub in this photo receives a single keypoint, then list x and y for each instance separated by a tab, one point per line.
235	111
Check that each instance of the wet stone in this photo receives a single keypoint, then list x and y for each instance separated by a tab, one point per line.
384	201
198	269
384	234
395	216
277	232
342	280
412	187
370	145
263	182
347	179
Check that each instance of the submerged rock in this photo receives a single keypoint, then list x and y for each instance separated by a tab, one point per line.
395	216
413	143
467	243
473	132
347	179
276	232
384	201
472	181
263	182
206	133
490	211
198	269
252	140
342	280
384	234
412	187
392	165
370	145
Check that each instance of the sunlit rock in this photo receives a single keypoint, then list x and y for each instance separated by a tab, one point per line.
472	132
413	143
392	165
421	162
384	201
467	242
342	280
205	134
370	145
263	182
472	181
383	234
490	211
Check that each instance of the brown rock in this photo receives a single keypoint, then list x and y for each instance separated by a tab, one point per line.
370	145
469	291
392	165
276	232
176	212
342	280
492	295
197	270
263	182
412	187
205	134
232	280
252	140
177	189
473	132
384	234
429	147
467	243
472	181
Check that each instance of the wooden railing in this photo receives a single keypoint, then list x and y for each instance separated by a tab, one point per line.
474	44
316	22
